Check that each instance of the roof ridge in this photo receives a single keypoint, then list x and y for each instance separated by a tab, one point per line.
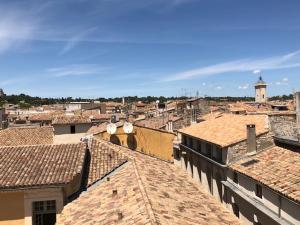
148	205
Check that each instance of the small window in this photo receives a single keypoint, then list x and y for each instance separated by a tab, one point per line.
235	178
73	131
258	190
184	139
199	148
236	210
44	212
208	150
217	155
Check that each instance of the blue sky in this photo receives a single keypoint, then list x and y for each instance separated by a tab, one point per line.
108	48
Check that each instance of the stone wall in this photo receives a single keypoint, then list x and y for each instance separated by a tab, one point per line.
237	151
283	125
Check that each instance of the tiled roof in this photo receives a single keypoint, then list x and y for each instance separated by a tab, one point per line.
146	191
156	122
40	165
26	136
41	117
277	168
102	127
227	129
103	161
71	119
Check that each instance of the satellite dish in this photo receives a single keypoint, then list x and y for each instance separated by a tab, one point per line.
111	128
157	101
128	127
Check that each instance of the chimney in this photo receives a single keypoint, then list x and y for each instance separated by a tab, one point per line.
251	138
297	104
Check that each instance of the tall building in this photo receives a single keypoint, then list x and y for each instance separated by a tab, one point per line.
260	91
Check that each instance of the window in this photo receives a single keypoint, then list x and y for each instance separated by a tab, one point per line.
235	178
184	139
258	190
199	146
217	155
73	131
44	212
208	150
236	210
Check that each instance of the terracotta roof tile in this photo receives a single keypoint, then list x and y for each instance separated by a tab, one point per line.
103	161
71	119
226	129
277	168
147	191
26	136
40	165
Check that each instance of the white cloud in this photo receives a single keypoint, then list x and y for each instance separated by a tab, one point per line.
75	70
15	29
244	65
284	81
72	42
244	86
218	88
203	84
256	71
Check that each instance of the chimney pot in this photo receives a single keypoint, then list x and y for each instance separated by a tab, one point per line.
115	192
120	216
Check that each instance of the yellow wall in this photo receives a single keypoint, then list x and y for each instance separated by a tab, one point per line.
11	208
153	142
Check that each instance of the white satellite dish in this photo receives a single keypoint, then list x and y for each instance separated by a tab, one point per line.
128	127
111	128
157	101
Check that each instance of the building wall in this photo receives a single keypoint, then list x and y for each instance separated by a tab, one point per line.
270	199
66	128
239	150
208	174
31	196
283	124
11	208
290	211
247	212
157	143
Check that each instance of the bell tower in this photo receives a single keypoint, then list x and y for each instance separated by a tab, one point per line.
260	91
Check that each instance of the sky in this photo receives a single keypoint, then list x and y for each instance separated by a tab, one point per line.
110	48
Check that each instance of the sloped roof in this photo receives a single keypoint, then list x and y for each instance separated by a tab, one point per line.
40	165
103	161
226	129
146	191
277	168
71	119
14	136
